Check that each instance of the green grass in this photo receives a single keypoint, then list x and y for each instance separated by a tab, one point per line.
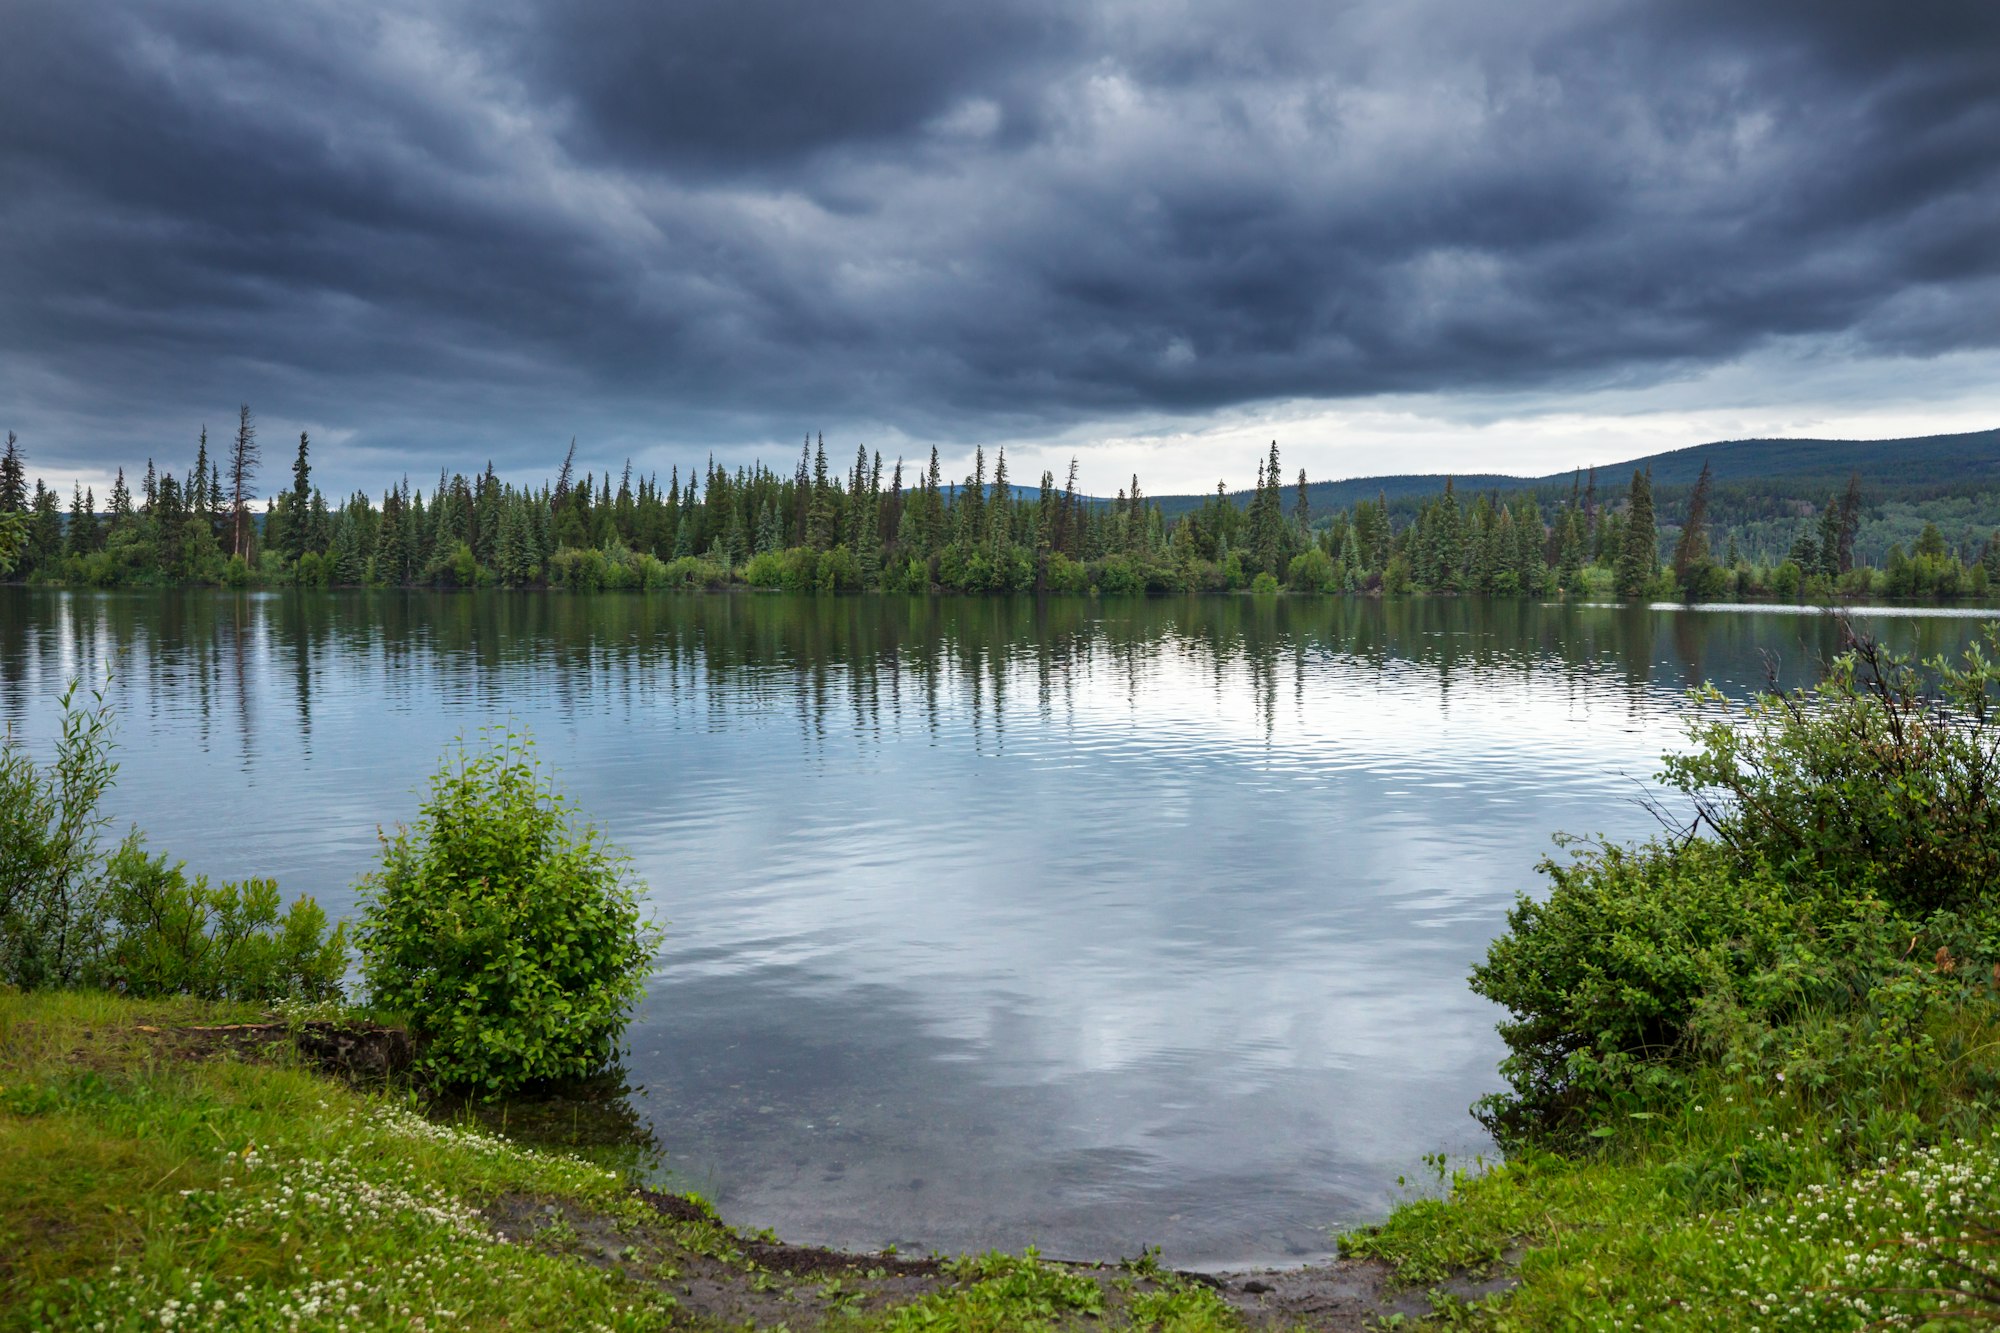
141	1188
1756	1203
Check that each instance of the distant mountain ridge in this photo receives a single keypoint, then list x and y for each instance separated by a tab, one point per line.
1913	467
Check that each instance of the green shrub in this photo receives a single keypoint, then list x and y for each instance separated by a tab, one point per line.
964	568
1603	978
72	916
1312	570
578	570
1118	576
801	570
1866	778
52	925
1835	922
1264	585
765	570
839	571
508	932
687	573
176	936
1065	576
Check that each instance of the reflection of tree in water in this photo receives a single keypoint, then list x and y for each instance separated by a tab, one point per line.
870	667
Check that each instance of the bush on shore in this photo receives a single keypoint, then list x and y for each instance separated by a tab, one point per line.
73	914
510	934
1841	917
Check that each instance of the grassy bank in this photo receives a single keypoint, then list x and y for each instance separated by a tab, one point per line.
153	1177
1748	1206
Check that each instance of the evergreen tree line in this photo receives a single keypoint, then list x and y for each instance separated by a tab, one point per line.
877	525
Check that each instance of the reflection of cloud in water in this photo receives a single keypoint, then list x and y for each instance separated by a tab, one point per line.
1109	924
827	1113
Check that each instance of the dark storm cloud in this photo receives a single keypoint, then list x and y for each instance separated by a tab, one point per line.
746	85
471	229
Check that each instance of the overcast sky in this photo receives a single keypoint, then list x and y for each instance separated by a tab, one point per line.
1414	235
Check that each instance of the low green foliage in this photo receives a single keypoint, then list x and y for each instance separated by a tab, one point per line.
52	872
179	936
140	1191
1313	571
1604	976
1852	829
999	1292
72	914
508	932
1867	779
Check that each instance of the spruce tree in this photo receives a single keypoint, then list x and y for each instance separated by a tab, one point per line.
80	537
820	531
1531	565
45	529
121	504
13	479
1570	554
1639	558
299	505
243	460
999	516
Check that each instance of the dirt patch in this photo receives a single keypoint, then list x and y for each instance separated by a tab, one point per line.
354	1051
1346	1294
715	1277
719	1278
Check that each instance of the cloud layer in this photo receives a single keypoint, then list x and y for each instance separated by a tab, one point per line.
453	230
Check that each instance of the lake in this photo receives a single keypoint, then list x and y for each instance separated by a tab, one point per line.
989	922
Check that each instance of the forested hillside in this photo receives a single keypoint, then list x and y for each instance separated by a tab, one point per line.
1873	518
1764	491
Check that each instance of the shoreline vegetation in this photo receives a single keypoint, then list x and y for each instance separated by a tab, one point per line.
903	528
1751	1078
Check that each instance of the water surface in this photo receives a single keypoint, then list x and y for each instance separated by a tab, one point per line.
1094	926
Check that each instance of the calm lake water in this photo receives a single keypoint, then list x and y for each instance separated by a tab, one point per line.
1093	926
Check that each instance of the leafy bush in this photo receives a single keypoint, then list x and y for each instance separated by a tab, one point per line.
579	570
176	936
801	572
1866	778
52	926
687	573
765	570
1604	977
1312	571
1118	576
839	571
1838	922
1065	576
1264	585
72	916
507	932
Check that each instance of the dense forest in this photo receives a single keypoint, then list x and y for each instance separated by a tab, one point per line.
898	528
